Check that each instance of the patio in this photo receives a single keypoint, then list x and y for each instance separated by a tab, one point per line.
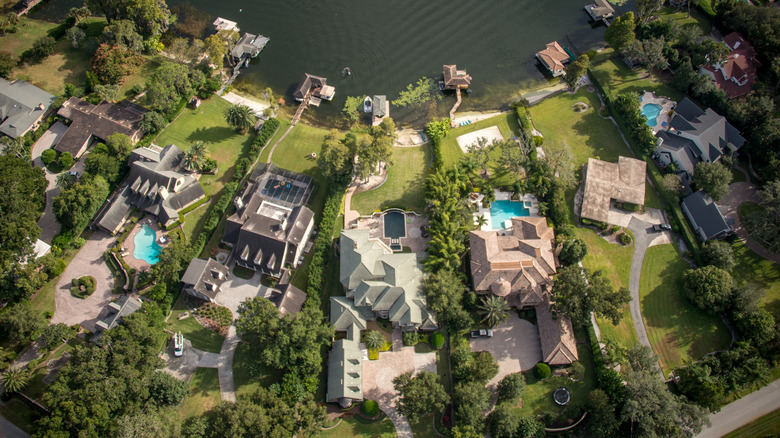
529	201
667	105
413	239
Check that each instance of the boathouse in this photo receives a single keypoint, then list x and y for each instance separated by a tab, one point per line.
455	79
553	58
380	109
317	86
248	46
601	10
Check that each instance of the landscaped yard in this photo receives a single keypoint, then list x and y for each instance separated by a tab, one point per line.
766	426
405	184
507	124
201	337
678	331
207	124
245	381
615	76
351	427
681	17
204	393
752	268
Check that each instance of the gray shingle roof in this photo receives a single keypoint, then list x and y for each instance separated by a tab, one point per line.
714	134
705	216
21	106
345	372
308	82
116	310
205	276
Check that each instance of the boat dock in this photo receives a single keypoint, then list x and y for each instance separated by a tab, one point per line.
455	107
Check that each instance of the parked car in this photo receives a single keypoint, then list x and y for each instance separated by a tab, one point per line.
482	333
661	227
73	173
178	344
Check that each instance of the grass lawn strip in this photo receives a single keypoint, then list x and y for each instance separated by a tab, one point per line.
350	427
678	331
766	426
201	337
752	268
404	186
204	393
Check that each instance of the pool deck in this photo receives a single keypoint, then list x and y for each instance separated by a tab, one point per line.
138	264
667	105
533	210
413	239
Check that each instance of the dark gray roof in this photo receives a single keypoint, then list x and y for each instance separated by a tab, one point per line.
705	216
249	45
100	121
205	276
116	310
713	132
21	106
684	149
379	104
308	82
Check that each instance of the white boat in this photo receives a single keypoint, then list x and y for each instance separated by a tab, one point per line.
367	105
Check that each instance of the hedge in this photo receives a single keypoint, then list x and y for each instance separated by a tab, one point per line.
437	340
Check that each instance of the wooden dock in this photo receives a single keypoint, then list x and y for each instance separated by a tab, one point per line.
455	107
302	106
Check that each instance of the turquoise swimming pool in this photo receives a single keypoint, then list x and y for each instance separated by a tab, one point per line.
501	211
651	111
146	246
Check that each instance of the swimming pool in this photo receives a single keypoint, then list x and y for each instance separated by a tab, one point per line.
395	224
651	111
501	211
146	247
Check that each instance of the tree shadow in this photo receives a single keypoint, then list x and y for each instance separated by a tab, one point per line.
214	134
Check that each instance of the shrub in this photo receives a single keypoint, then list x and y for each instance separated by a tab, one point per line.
542	371
83	287
370	408
65	160
511	386
79	242
437	340
411	338
625	239
48	156
43	47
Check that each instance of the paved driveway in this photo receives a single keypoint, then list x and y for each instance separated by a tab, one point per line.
184	366
378	378
88	261
515	345
236	290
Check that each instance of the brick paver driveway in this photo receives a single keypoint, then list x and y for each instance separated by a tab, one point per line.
88	261
378	378
515	345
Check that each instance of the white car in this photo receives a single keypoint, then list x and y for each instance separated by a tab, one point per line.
178	344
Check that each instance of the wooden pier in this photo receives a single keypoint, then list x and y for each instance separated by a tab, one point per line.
455	107
302	107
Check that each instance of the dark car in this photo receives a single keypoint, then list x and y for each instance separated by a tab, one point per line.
482	333
424	230
661	227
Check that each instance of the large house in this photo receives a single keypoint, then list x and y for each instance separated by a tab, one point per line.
454	78
518	265
736	75
90	121
22	105
382	283
705	217
156	184
345	360
203	278
271	226
623	181
116	310
695	136
316	85
553	58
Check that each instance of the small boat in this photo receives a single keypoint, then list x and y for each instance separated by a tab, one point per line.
367	104
347	71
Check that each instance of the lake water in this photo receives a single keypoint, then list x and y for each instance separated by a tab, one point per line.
391	43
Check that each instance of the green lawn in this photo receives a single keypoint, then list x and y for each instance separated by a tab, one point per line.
351	427
242	375
207	123
44	299
697	17
752	268
766	426
424	428
678	331
201	337
204	393
507	124
404	186
614	75
537	397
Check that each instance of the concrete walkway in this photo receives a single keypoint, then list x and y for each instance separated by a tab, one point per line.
743	411
183	367
739	193
257	107
226	384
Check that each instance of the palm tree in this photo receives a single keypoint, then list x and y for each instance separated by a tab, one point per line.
240	117
374	340
195	155
494	309
480	221
14	380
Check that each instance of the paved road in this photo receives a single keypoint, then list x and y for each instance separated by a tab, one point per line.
743	411
9	430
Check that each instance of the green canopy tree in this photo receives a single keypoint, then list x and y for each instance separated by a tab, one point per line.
576	70
621	32
719	254
76	205
23	187
19	321
578	292
419	394
713	178
471	399
335	156
708	288
443	291
167	86
573	251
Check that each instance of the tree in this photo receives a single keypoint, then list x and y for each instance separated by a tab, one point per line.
53	335
465	431
601	415
100	162
15	379
483	367
240	117
494	310
671	183
112	63
577	298
374	340
419	394
696	382
503	422
719	254
7	64
23	188
652	410
443	291
515	155
642	358
335	156
76	205
708	288
352	110
646	8
621	32
576	70
43	47
417	94
152	122
481	152
185	50
149	423
65	160
19	321
121	33
218	45
166	390
573	251
108	93
196	155
75	37
167	86
511	386
173	258
713	178
150	17
471	399
79	14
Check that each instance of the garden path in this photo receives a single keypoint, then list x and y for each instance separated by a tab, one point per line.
738	193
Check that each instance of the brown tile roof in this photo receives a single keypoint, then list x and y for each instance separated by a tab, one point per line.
553	56
454	78
739	67
524	258
100	121
557	335
623	181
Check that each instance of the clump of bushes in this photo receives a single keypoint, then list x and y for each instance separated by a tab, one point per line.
370	408
217	314
542	371
48	156
437	340
625	239
411	338
83	287
65	160
511	386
